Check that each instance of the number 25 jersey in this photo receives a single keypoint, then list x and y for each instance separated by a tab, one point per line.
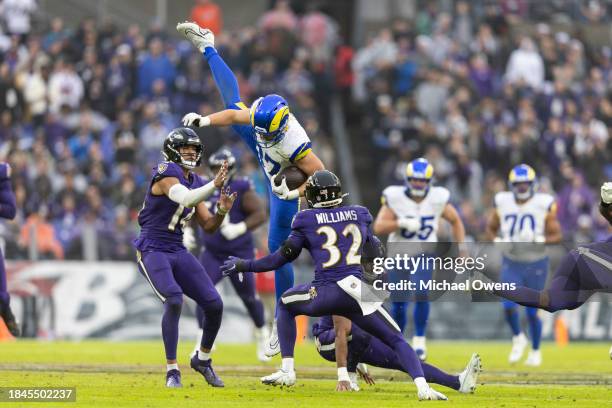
427	212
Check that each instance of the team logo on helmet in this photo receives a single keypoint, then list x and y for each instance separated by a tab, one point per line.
270	118
419	174
522	181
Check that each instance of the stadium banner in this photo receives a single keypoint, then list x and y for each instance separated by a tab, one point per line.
78	300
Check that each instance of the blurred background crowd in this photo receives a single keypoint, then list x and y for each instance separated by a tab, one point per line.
85	108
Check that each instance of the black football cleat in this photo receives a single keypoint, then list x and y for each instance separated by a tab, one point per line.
9	319
205	368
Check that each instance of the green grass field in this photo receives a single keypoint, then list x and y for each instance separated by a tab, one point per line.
132	375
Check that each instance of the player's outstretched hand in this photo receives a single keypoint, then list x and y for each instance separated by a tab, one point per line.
232	265
410	224
192	119
362	370
342	386
226	200
221	175
606	192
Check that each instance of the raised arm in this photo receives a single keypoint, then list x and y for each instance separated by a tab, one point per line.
225	117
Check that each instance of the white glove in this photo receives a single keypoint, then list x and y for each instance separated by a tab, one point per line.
189	239
410	224
232	231
194	120
606	192
425	392
283	191
526	235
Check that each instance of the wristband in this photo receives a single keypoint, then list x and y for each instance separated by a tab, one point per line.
204	121
221	211
343	374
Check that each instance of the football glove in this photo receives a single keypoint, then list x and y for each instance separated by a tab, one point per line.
410	224
189	239
233	265
282	191
232	231
606	192
194	120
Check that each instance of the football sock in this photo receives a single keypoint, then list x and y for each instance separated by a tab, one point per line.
535	327
436	376
512	317
420	314
223	76
170	324
399	310
172	367
202	356
213	312
286	331
287	364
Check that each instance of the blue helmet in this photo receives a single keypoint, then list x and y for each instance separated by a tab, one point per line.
420	170
522	181
269	118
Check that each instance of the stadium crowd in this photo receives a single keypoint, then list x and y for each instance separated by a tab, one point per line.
479	89
85	111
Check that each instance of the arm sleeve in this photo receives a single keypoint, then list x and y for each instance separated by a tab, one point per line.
190	198
288	252
8	205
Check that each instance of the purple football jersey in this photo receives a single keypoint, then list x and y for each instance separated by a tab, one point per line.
161	220
334	237
216	242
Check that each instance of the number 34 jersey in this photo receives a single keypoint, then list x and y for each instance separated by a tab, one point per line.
427	212
162	220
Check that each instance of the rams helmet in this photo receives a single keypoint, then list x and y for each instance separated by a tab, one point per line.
269	118
419	174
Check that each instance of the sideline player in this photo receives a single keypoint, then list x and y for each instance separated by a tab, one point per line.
234	238
411	213
334	235
8	209
524	216
343	341
583	272
275	137
174	195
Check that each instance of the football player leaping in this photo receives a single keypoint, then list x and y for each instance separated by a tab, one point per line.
411	213
273	134
525	217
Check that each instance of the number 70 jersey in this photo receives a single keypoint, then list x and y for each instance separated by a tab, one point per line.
427	212
514	217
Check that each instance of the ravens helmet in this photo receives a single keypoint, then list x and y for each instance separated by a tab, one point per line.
419	174
522	181
182	137
323	190
216	160
269	118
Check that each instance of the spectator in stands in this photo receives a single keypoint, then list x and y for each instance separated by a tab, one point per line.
155	65
17	15
525	65
39	232
65	87
206	13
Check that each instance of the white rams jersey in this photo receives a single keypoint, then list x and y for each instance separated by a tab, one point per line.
515	217
428	212
292	147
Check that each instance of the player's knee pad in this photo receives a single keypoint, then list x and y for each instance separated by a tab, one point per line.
174	304
213	307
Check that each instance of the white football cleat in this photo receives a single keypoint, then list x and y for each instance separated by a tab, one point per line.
429	394
534	358
261	338
272	345
354	381
419	346
198	36
519	343
468	379
282	378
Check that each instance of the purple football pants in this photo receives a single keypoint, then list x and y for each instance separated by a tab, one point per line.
172	274
330	299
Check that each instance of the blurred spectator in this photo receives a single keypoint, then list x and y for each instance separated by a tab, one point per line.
281	17
155	65
525	65
206	13
65	87
39	232
17	15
